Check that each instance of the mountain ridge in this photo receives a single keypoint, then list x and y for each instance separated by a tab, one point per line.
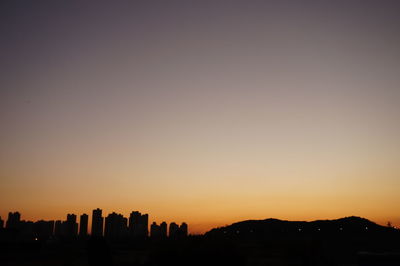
273	226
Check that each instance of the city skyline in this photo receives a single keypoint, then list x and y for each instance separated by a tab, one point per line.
204	112
133	215
114	226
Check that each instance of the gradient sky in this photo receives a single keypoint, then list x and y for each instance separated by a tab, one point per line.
208	112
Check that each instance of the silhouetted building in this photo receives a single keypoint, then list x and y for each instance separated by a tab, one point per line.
145	224
173	230
83	225
126	228
70	226
176	231
163	230
155	230
138	224
13	220
115	226
134	217
183	230
97	223
43	229
58	230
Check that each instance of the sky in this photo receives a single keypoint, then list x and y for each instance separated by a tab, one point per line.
205	112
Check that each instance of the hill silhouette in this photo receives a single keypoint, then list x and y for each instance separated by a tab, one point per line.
274	227
345	241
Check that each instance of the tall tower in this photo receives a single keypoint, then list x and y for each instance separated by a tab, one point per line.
173	230
145	225
71	227
83	225
115	226
134	217
155	230
138	224
163	230
58	228
13	220
183	229
97	223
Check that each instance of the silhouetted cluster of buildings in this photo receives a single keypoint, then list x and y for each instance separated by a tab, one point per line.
114	227
16	228
176	231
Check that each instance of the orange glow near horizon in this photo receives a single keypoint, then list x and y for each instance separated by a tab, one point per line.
203	225
212	209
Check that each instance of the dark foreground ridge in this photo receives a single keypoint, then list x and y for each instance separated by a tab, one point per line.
274	228
350	241
346	241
